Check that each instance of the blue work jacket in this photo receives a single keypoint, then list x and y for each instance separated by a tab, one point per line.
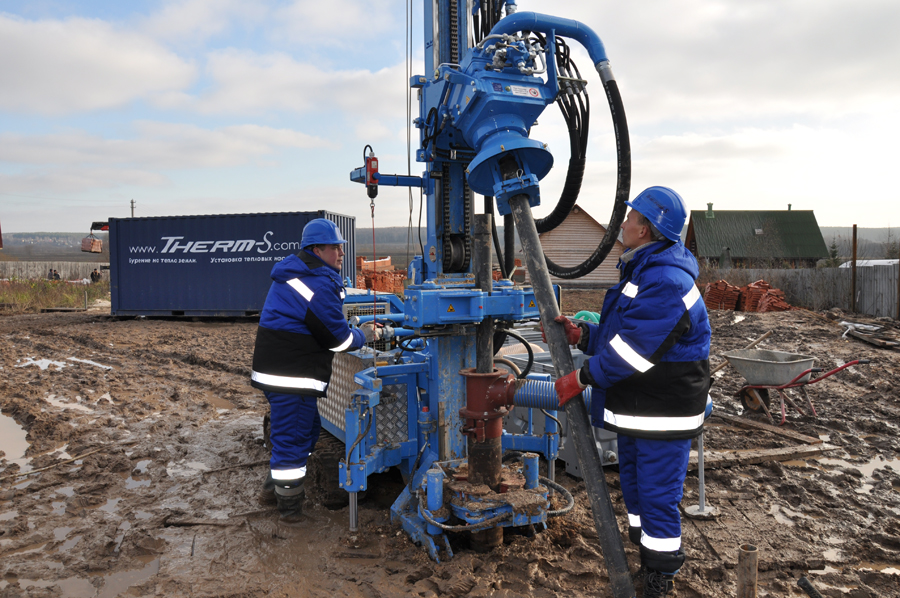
301	327
650	351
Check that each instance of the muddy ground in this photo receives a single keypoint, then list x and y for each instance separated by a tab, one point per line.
167	439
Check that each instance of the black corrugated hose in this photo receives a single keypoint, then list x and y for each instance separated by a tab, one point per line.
623	188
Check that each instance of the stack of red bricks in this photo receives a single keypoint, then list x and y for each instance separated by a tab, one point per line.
751	294
382	282
721	295
760	296
773	300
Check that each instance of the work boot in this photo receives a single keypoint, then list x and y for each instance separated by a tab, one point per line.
657	584
267	494
289	496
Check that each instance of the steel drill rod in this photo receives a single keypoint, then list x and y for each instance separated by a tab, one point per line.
576	412
485	456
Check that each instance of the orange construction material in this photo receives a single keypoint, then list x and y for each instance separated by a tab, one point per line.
92	244
721	295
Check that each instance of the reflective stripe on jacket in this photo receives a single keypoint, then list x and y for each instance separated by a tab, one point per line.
301	327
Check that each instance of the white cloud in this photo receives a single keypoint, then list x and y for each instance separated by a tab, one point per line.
336	24
62	67
158	146
195	21
244	81
714	60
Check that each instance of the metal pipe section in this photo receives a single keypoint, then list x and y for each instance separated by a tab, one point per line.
748	558
530	470
532	21
588	458
486	452
435	485
361	319
702	477
354	512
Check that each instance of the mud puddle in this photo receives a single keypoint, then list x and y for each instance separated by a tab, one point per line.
13	443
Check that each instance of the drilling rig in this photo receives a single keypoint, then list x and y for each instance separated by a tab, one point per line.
429	399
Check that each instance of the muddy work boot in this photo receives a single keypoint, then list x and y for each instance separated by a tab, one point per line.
289	495
659	571
658	584
267	494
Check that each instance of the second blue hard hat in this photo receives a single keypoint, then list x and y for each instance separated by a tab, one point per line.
663	208
321	231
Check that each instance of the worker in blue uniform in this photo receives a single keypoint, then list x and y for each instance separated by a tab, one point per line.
649	366
301	327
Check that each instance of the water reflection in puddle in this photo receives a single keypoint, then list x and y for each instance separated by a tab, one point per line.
69	544
60	533
66	405
59	507
72	587
221	405
867	469
111	505
8	515
13	443
136	482
117	583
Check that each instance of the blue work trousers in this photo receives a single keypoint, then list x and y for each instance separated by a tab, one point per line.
294	431
652	475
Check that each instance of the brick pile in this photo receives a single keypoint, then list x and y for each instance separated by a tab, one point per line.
760	296
382	282
757	296
721	295
382	264
751	295
773	300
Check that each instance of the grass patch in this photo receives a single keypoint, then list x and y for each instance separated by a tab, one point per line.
22	296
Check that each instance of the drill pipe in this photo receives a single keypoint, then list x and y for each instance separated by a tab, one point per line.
485	453
576	412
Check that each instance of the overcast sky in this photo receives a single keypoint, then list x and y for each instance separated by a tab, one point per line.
236	106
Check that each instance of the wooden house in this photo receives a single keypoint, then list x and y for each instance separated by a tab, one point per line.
755	238
573	241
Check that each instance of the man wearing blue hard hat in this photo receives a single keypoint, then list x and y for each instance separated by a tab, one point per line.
649	366
301	327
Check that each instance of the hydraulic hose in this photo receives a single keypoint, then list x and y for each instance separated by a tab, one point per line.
623	184
528	348
534	22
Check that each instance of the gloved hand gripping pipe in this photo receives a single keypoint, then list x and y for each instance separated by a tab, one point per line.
576	412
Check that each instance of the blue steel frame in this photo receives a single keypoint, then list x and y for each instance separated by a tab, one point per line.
474	117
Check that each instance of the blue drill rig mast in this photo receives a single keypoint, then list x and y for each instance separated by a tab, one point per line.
490	71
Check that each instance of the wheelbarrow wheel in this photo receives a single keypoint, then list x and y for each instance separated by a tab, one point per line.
753	399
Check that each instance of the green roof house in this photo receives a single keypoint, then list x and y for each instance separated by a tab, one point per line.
765	238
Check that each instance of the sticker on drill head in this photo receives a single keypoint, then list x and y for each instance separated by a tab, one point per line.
531	92
497	87
450	310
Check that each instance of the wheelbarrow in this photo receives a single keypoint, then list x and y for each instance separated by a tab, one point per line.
777	370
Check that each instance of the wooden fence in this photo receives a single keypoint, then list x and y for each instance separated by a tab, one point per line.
824	288
67	270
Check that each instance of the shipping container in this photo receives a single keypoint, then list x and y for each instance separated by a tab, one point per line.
215	265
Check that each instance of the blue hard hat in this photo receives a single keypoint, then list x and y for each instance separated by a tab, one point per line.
663	208
321	231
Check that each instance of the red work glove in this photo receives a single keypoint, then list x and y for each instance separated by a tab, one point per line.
573	330
567	387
